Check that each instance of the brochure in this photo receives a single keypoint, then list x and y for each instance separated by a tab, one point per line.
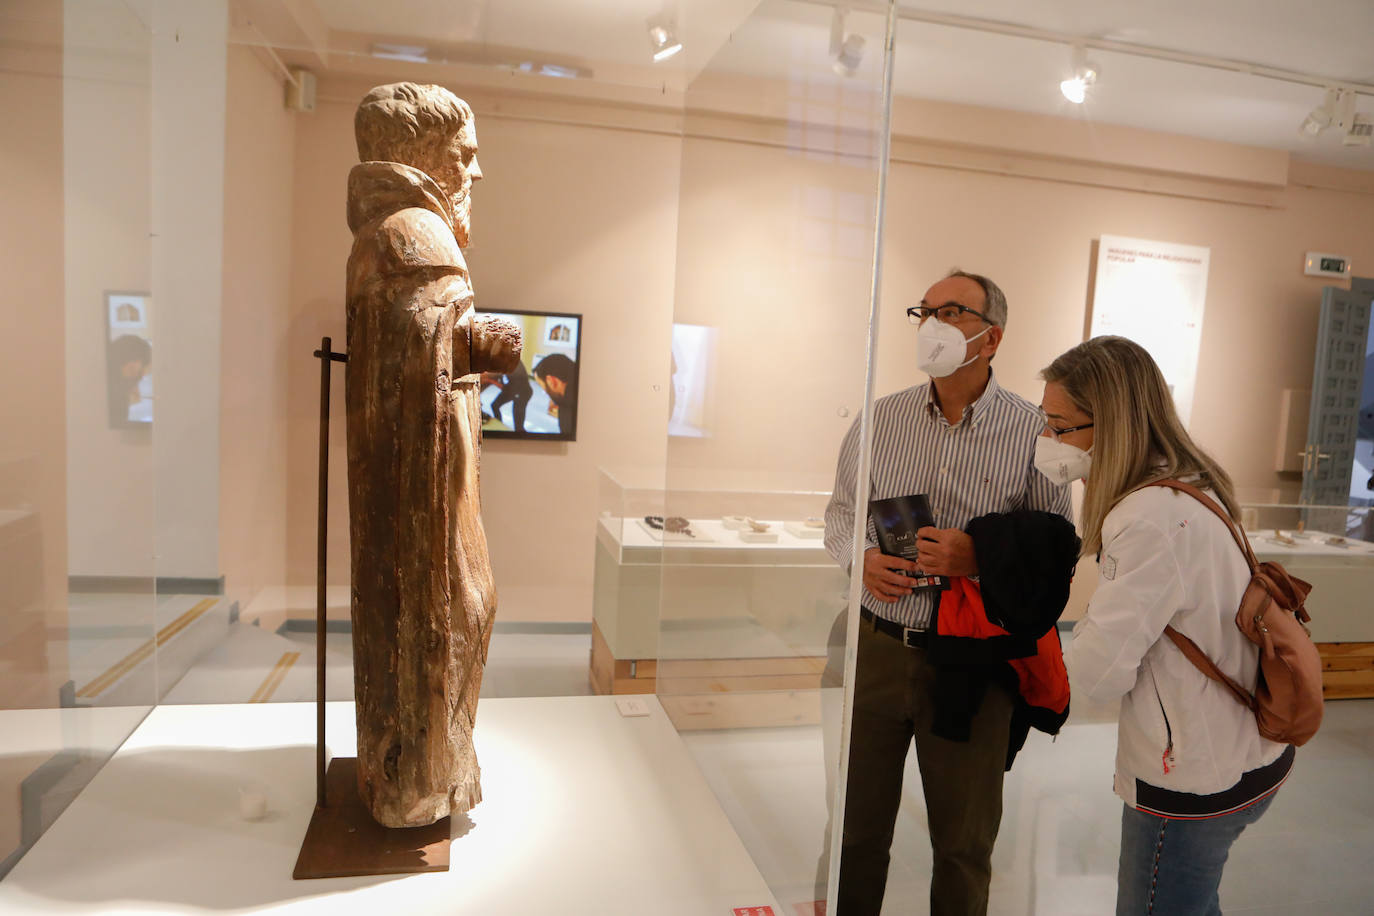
897	520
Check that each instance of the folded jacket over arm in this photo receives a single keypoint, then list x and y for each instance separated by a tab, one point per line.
1002	628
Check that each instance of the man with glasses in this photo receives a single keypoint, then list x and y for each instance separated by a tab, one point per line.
968	445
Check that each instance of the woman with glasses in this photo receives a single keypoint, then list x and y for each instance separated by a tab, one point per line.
1191	765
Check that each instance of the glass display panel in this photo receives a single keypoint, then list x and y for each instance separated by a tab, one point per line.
778	193
685	201
80	610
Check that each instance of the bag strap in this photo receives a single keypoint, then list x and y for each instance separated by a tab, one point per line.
1189	648
1237	532
1208	667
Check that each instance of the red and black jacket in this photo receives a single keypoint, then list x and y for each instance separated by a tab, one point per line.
1002	628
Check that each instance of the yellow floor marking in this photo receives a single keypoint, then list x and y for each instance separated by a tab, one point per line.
133	659
275	677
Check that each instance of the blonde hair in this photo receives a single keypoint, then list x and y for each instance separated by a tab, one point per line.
1137	436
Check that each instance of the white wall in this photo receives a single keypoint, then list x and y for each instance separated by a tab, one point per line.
188	106
144	168
107	130
258	182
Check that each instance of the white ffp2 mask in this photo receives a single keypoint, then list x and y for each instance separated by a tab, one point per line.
940	347
1060	462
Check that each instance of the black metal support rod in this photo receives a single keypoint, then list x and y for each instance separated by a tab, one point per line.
324	353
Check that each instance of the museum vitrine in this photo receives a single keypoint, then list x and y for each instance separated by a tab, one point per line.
715	213
197	550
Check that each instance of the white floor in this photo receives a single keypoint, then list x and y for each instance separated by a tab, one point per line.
1057	850
585	812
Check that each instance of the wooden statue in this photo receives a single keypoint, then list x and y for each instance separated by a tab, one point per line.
423	597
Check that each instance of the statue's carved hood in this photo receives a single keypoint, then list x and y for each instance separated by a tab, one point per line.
378	189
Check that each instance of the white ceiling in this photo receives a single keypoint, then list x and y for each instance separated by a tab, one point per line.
786	39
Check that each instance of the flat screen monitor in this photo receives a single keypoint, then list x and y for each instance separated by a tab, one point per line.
538	398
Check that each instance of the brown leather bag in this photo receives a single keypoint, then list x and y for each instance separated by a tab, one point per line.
1287	701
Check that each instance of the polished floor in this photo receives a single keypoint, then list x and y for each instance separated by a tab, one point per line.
1313	853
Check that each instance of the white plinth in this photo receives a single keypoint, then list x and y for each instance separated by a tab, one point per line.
584	812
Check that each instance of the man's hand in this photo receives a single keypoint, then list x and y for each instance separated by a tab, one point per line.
882	578
946	552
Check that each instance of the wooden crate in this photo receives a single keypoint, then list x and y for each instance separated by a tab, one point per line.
1347	669
769	709
717	692
619	676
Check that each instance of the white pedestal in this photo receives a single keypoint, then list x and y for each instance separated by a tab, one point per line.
584	812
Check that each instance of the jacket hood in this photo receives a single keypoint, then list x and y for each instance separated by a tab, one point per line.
378	189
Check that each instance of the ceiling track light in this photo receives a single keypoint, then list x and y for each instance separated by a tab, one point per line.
846	50
1320	118
1360	132
663	40
1083	76
1337	109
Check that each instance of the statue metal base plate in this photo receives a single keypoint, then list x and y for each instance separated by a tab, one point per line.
344	841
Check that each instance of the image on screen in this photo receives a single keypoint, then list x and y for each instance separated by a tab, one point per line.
538	398
129	358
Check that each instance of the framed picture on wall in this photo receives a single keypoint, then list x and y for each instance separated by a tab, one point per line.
129	358
538	398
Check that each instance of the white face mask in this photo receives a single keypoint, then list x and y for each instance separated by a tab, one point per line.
940	347
1060	462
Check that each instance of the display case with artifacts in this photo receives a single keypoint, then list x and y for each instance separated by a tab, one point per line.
1339	565
710	588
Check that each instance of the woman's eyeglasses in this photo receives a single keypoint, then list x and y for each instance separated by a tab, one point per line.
1057	431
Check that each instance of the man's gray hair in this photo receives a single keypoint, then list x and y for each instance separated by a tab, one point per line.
994	300
394	120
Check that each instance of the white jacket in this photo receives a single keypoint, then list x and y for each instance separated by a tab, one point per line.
1167	559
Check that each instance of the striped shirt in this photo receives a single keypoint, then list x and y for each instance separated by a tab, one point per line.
984	463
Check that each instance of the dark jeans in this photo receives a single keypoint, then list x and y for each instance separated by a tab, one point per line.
1172	867
521	397
962	781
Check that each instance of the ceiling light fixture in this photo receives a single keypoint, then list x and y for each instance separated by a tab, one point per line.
418	54
846	51
1320	118
1075	88
1337	110
663	40
1360	132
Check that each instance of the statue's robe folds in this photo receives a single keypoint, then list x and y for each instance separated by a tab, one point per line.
423	597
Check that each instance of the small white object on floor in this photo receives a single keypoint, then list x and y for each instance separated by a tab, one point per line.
759	537
735	522
252	804
632	706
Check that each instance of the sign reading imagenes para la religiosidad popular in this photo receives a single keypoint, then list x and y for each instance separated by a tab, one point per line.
1154	293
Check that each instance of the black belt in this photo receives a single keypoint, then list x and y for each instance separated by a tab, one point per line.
907	636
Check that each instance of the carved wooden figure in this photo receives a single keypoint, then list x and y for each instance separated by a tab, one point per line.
423	597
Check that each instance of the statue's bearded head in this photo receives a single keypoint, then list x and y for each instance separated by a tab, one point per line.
428	128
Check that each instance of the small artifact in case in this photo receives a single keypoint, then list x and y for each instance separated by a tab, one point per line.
812	529
758	533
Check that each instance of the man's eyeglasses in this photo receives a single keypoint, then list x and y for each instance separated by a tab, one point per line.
1057	431
948	313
